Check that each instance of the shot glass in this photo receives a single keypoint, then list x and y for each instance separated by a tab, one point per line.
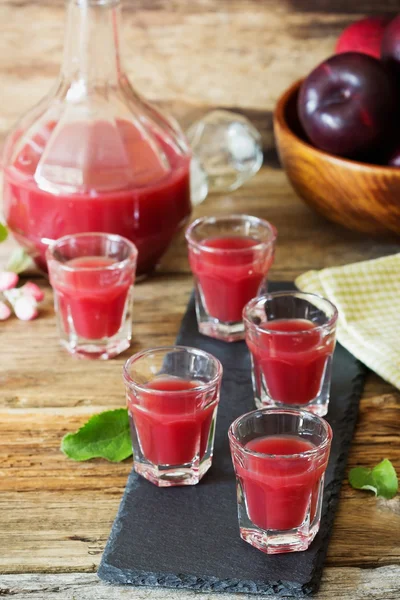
291	337
230	258
280	457
172	395
92	275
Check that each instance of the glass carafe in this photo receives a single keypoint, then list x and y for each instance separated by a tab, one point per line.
93	155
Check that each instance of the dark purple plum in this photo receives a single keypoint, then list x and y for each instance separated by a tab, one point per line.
347	104
390	49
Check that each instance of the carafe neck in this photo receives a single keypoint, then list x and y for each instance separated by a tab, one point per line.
91	48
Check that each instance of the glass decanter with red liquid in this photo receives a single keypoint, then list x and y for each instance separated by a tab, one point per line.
93	156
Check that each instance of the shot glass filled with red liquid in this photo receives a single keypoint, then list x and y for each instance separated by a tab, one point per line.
280	457
230	258
92	275
172	396
291	337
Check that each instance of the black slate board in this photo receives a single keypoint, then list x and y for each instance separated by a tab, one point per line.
188	537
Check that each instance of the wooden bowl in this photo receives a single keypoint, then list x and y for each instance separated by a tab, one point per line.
360	196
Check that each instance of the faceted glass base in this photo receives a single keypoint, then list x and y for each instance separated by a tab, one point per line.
278	542
316	406
169	476
101	350
227	332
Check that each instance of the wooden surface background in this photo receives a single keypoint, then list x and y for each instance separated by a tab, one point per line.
55	515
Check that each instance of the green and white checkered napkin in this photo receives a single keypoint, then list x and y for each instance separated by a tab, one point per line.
367	296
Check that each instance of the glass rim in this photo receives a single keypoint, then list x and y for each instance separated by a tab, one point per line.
235	217
270	296
52	248
295	412
143	353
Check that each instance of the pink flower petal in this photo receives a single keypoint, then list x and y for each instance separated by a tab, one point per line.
5	311
33	290
8	280
25	308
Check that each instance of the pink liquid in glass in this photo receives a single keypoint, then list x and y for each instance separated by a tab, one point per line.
172	429
229	279
124	189
293	364
279	491
93	299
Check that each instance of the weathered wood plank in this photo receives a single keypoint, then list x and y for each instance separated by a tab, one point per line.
41	374
352	584
64	510
56	514
200	6
41	401
241	53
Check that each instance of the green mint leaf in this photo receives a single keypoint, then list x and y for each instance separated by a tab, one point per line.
3	233
105	435
361	478
19	261
382	479
386	480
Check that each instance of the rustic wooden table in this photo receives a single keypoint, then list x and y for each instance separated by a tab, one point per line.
55	515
